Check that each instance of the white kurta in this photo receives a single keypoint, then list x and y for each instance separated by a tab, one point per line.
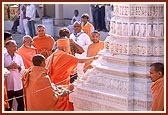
13	80
83	40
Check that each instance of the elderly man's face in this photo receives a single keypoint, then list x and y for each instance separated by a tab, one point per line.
12	47
28	42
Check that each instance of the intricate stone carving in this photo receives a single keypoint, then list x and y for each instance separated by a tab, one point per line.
120	79
125	29
132	29
161	30
143	30
117	48
137	29
133	10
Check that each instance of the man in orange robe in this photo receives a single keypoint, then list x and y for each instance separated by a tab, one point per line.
43	42
93	48
60	65
40	94
156	74
27	51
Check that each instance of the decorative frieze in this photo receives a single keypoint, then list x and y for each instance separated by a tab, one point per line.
139	10
135	49
137	29
119	80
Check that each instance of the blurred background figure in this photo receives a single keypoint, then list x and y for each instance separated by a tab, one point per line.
87	27
108	15
31	15
76	17
22	11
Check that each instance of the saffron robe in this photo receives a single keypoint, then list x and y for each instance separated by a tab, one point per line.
44	43
158	95
88	28
60	65
27	55
39	93
6	104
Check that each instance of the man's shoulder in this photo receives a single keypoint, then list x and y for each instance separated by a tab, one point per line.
35	37
96	44
46	36
18	55
90	23
49	37
23	48
101	42
83	34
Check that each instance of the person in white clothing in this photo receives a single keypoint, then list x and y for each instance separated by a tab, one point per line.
14	63
76	17
22	16
31	15
25	20
82	39
108	15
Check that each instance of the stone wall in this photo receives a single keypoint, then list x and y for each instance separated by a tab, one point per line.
120	79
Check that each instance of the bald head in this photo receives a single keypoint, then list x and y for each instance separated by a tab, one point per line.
27	41
77	27
63	44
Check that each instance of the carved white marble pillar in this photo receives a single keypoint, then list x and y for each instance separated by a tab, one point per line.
59	20
120	77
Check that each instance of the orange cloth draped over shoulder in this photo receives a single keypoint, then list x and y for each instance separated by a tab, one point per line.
87	28
158	95
60	65
39	93
44	43
6	104
27	55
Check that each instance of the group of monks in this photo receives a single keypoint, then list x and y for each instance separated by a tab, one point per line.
61	63
45	66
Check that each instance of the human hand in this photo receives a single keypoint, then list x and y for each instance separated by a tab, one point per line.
71	41
71	87
44	52
14	65
95	57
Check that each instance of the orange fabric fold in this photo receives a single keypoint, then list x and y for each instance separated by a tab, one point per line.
6	104
27	55
87	28
158	95
60	65
43	43
40	96
63	42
